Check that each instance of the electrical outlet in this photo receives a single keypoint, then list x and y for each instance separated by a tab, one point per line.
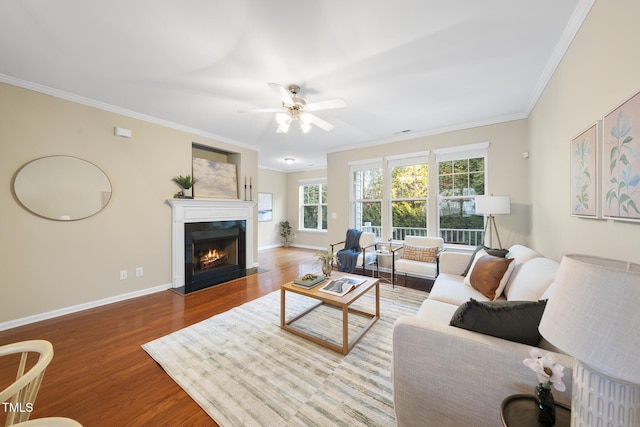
123	274
139	271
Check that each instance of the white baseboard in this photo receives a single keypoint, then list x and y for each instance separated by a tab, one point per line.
75	308
262	248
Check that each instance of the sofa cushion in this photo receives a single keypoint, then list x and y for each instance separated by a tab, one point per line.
450	288
511	320
416	267
533	279
436	311
420	253
489	274
520	254
500	253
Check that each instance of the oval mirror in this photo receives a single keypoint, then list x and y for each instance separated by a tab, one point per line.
63	188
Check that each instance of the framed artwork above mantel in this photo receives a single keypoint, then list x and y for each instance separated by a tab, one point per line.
216	180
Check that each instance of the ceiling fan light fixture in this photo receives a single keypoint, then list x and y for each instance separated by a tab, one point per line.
283	118
283	128
305	118
289	160
293	108
305	127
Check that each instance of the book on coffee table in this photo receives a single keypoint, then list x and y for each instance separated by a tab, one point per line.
308	281
342	285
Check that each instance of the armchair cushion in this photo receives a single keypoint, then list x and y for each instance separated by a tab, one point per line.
421	253
511	320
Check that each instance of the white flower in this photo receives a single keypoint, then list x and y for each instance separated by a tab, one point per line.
548	371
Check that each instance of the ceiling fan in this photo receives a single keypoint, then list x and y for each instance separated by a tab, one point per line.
296	108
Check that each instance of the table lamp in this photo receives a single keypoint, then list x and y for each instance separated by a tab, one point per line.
490	206
593	314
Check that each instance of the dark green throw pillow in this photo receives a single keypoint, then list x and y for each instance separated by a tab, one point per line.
500	253
510	320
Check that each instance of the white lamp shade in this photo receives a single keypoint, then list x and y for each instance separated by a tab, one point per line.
593	314
493	205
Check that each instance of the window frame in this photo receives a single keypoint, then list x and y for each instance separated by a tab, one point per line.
360	166
462	152
321	205
420	158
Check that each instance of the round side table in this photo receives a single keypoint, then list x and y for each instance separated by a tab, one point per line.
520	410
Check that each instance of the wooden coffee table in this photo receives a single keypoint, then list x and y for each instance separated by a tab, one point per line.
343	303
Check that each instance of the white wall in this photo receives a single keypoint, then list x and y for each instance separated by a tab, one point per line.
275	183
507	174
599	71
52	265
301	238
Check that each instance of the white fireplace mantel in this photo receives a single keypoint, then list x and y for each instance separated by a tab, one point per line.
206	210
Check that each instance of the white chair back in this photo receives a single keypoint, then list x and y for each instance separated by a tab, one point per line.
367	239
21	395
424	241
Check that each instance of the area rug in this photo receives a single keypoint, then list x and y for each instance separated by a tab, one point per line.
243	370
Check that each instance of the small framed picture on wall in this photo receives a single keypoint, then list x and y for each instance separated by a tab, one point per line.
584	173
621	161
265	207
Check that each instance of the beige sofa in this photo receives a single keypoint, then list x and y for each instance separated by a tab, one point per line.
448	376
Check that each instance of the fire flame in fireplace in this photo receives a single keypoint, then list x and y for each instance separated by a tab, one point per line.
213	255
211	258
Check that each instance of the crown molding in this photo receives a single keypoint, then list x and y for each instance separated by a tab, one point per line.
67	96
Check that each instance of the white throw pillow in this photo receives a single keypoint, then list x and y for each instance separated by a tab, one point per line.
467	278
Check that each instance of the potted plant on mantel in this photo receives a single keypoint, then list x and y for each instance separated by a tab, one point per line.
185	183
285	232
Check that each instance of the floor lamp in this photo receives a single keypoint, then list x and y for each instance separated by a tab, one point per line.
491	206
592	315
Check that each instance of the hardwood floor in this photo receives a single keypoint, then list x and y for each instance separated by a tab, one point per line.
100	376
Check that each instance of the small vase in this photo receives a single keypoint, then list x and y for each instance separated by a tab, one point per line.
326	268
187	192
546	406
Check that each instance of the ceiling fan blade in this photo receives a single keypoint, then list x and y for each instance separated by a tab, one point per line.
326	105
282	93
324	125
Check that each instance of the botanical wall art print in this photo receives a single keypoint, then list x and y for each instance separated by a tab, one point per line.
215	180
584	171
265	207
621	161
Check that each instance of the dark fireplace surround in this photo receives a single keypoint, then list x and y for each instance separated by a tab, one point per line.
232	222
214	253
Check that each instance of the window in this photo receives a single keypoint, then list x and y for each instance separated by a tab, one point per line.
367	197
461	177
409	191
313	207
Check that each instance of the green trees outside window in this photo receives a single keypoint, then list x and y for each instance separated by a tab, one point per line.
459	181
367	190
314	206
409	192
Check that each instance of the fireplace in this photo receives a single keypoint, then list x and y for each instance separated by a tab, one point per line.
215	252
213	242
